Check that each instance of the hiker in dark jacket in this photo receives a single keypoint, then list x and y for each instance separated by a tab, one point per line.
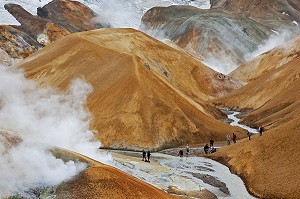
180	153
234	138
211	142
144	155
261	129
249	135
206	147
148	156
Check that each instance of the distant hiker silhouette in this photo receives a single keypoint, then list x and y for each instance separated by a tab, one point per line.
228	139
144	155
148	156
211	142
187	149
261	129
249	135
234	138
180	153
206	147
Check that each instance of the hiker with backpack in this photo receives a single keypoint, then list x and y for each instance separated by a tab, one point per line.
187	150
211	142
180	153
261	129
234	138
148	156
249	135
228	139
144	155
206	148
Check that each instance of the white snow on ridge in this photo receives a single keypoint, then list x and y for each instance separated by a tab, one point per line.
29	5
275	31
117	13
295	22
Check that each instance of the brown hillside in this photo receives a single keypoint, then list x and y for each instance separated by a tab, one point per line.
108	182
102	181
146	94
269	164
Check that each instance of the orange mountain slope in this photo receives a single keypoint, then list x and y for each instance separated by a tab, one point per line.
108	182
102	181
146	94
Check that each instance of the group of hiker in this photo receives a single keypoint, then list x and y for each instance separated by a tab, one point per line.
207	149
228	138
146	156
210	148
187	151
249	134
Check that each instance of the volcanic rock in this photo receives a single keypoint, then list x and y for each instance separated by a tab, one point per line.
30	24
16	43
275	14
55	20
71	15
146	94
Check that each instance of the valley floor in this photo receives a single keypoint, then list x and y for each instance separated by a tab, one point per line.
187	176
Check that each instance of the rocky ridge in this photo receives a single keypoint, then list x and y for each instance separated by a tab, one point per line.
53	21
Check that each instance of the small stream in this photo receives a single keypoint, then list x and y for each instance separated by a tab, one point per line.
233	117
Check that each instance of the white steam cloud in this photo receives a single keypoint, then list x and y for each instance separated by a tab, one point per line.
43	118
128	13
275	40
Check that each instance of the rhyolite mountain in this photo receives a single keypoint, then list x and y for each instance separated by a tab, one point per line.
224	36
145	93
